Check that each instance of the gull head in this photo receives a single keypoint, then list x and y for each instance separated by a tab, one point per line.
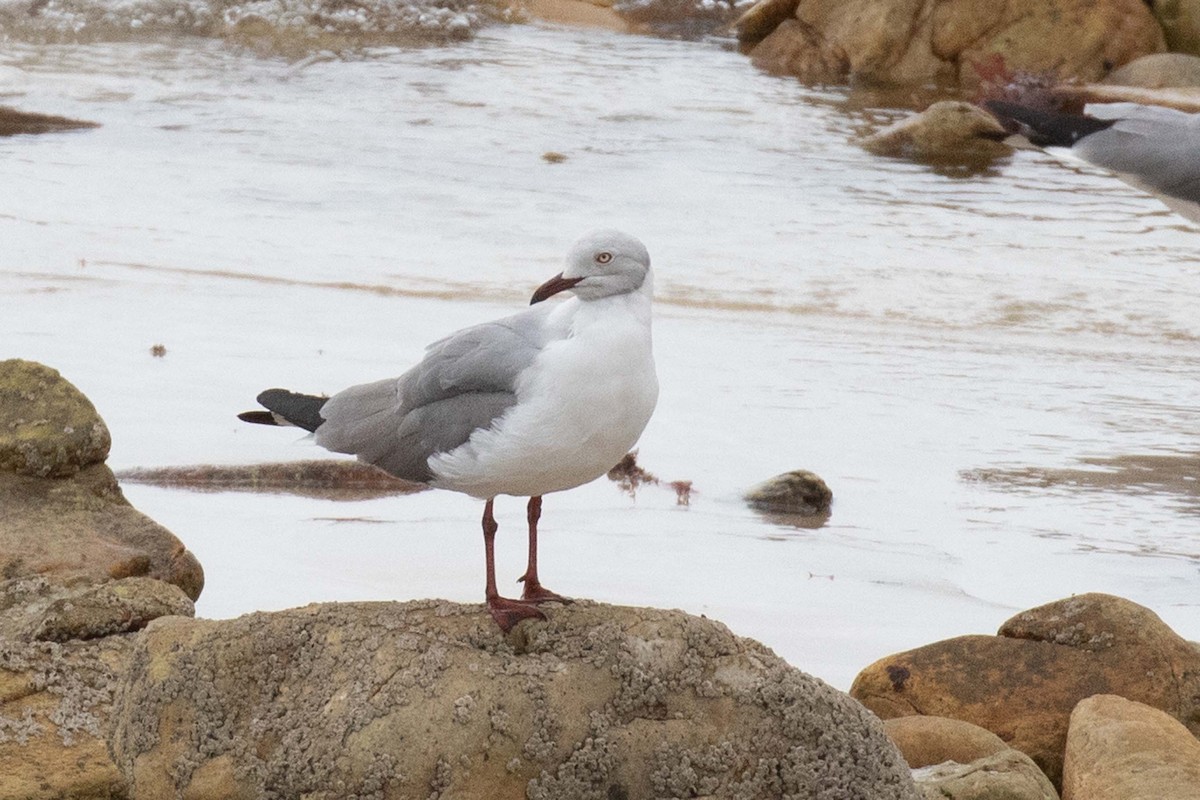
601	264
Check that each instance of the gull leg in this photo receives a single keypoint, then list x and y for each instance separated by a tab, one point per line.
507	613
534	591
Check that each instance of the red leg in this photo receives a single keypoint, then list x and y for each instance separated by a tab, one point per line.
534	591
507	613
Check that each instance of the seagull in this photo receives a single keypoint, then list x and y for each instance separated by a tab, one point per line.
538	402
1153	148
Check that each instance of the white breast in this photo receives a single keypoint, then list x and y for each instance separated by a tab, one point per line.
581	406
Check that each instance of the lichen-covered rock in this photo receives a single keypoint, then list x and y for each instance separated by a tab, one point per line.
916	41
117	606
428	699
47	427
55	702
1118	749
1023	684
1006	775
83	529
947	130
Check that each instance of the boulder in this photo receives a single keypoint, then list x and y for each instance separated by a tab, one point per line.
1158	71
1118	749
47	427
1180	20
926	741
83	529
62	513
429	699
1006	775
1023	683
917	41
947	130
56	698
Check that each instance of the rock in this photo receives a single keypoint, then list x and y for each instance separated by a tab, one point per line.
62	514
1158	71
688	19
13	122
925	741
1023	683
55	702
758	21
115	607
47	427
83	529
428	699
1180	20
796	492
1118	749
948	129
917	41
579	13
56	699
1006	775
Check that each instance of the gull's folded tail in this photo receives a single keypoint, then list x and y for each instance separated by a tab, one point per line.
287	408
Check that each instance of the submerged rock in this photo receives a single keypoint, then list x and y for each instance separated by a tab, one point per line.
1023	683
427	698
947	130
797	492
14	122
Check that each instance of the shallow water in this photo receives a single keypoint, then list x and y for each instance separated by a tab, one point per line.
909	335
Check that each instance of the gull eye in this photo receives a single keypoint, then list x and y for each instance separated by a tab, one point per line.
603	258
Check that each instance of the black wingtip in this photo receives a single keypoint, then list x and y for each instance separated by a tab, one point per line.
258	417
1046	127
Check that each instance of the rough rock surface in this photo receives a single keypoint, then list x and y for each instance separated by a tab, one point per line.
1023	683
428	699
1118	749
1007	775
915	41
948	129
925	741
47	427
56	697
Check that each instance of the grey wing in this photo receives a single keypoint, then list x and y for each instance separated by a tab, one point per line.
1156	148
465	382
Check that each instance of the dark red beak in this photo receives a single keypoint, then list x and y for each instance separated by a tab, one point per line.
552	287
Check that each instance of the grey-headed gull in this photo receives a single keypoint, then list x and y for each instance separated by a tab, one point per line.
1150	147
537	402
